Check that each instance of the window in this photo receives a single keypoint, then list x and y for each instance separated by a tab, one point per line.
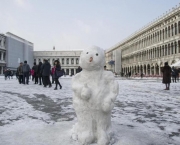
77	61
62	60
67	60
72	61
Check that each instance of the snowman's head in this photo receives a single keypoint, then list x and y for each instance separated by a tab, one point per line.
92	58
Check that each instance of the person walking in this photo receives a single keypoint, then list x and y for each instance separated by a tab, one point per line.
26	70
46	70
35	68
52	74
39	72
166	70
56	74
20	73
174	74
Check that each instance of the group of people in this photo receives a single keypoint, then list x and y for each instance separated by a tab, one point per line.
41	73
168	73
8	74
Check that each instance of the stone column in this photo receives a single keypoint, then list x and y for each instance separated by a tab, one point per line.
177	47
146	69
173	49
69	71
74	71
159	70
2	55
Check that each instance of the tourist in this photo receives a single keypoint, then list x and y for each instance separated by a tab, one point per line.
166	70
35	69
52	73
20	73
39	73
58	73
26	70
174	74
46	69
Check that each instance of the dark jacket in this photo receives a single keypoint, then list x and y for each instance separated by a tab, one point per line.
20	70
166	74
25	68
174	72
46	69
39	72
58	69
35	68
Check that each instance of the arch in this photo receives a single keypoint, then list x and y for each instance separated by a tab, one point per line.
175	28
160	35
148	69
172	30
144	69
175	47
172	49
165	50
163	34
169	31
166	33
157	69
169	49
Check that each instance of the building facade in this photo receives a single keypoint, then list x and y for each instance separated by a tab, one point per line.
18	50
147	50
69	59
2	53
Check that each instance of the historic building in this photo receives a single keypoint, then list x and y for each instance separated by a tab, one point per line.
69	59
18	50
148	49
2	53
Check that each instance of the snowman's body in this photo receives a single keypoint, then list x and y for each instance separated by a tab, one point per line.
94	94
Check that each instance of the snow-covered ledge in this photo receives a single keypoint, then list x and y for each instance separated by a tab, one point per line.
94	93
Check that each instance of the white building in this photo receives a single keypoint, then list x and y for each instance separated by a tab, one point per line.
69	59
2	53
147	50
18	50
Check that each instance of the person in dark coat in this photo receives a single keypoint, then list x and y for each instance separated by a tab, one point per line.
35	68
26	69
166	75
56	77
174	74
46	70
39	73
20	72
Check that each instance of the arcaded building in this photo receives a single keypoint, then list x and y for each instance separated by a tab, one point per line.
69	59
147	50
2	53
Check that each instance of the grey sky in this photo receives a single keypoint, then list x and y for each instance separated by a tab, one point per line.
77	24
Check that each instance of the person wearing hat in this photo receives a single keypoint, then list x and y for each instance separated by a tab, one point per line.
20	73
166	75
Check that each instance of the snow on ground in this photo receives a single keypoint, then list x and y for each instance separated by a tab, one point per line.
144	113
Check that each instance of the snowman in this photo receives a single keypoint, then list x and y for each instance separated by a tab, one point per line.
94	93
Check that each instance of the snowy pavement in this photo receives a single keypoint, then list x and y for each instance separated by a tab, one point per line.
144	114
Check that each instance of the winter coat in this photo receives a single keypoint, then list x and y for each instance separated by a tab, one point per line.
32	72
25	68
46	69
39	72
35	68
57	68
174	72
20	70
166	74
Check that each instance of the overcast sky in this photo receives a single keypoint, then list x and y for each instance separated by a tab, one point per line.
77	24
